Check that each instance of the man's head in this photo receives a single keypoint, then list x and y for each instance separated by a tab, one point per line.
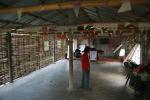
87	49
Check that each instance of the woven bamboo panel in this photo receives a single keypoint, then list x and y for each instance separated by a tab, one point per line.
25	54
30	52
45	56
4	77
61	48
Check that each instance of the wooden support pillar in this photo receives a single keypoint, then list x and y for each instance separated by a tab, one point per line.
147	51
54	48
142	47
143	42
70	43
9	55
89	44
148	46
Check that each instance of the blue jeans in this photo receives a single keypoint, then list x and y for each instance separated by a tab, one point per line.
85	79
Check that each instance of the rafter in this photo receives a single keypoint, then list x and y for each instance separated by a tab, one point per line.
30	14
98	14
113	16
117	16
39	17
13	22
130	14
86	14
91	12
65	15
62	13
59	11
70	4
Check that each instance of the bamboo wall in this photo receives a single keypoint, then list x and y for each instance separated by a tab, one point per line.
30	52
3	60
61	48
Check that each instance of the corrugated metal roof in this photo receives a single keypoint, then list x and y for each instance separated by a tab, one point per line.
60	17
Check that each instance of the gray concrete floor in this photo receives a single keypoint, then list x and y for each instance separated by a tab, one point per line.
51	83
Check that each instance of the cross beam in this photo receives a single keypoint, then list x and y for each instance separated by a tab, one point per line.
13	22
69	5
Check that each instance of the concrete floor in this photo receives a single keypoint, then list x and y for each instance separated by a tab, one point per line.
51	83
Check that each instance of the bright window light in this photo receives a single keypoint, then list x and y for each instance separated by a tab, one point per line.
82	47
136	57
68	52
122	52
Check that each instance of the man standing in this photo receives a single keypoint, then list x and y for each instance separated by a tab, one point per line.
85	68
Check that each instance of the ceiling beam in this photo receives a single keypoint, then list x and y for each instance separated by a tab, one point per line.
59	11
86	14
13	22
42	18
129	14
30	14
98	14
111	16
117	16
68	5
93	13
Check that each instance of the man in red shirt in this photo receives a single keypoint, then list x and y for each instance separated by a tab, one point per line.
85	68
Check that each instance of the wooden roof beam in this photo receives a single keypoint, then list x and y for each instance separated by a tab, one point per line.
42	18
60	12
69	5
86	14
130	14
13	22
30	14
98	14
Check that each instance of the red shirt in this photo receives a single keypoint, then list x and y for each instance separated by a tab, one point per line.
85	62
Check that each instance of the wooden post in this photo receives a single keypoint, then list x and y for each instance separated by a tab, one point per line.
148	45
147	58
70	43
9	55
139	38
143	41
54	48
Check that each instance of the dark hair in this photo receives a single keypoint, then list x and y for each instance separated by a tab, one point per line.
87	49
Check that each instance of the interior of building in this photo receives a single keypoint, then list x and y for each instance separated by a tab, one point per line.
43	42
